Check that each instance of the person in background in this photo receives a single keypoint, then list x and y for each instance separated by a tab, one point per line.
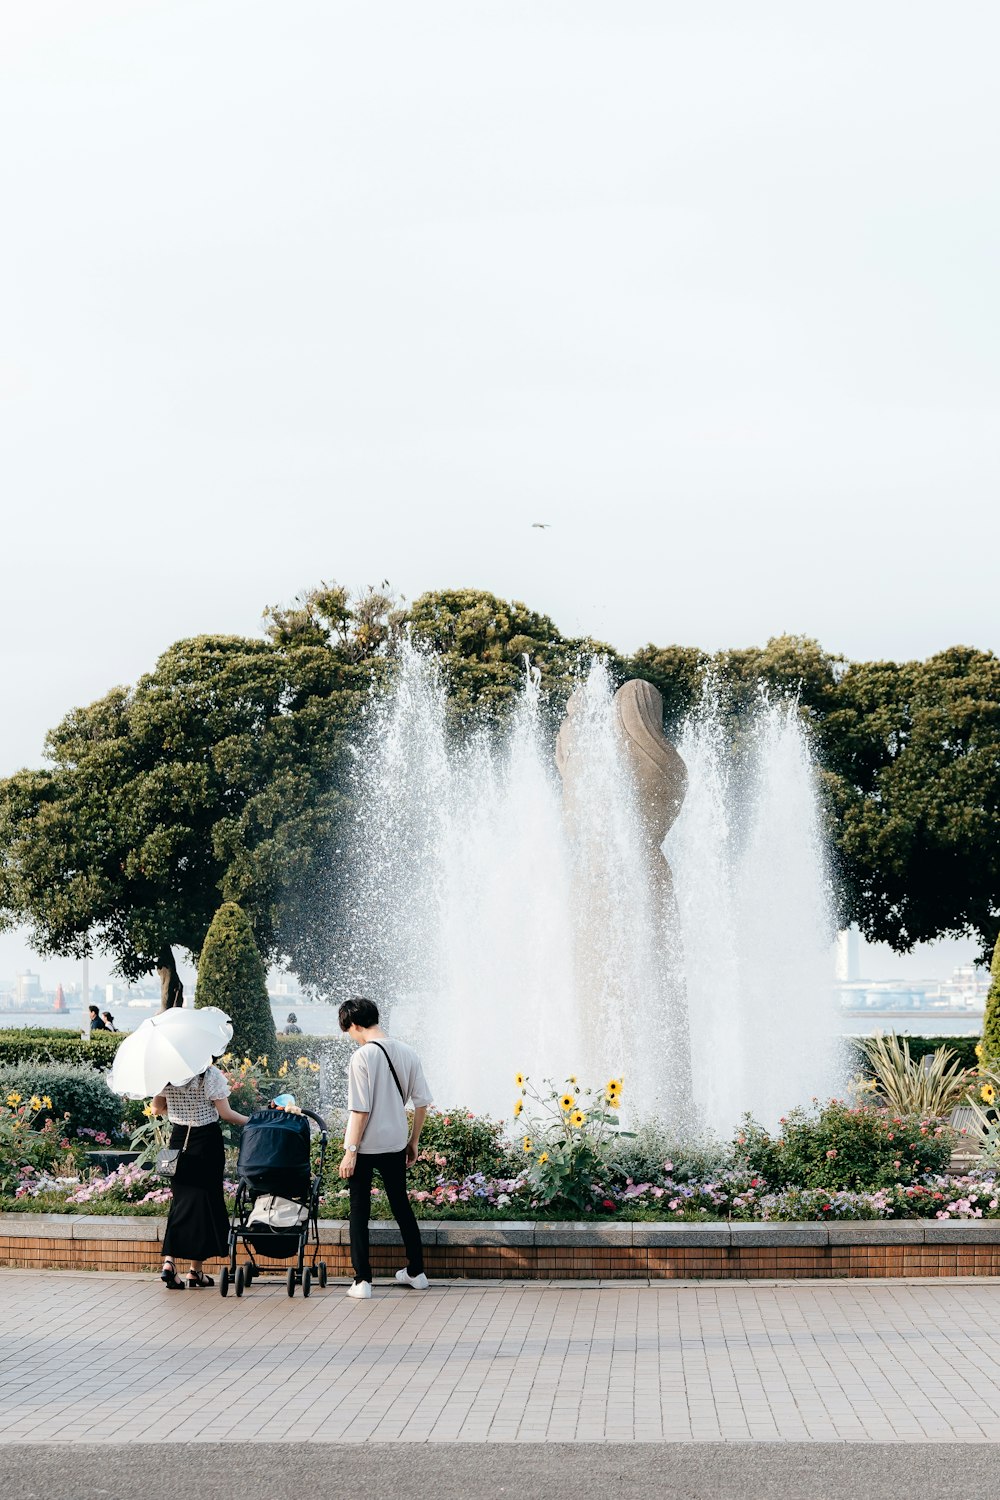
96	1024
109	1021
384	1076
292	1027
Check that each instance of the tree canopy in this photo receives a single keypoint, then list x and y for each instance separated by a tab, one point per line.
224	774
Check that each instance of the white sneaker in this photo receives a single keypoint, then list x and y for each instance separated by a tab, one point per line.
419	1282
360	1289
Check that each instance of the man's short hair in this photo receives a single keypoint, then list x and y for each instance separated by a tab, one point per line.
94	1010
358	1012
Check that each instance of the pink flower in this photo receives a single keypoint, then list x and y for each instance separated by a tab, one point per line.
831	1153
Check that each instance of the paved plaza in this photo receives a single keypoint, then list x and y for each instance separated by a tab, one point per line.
113	1358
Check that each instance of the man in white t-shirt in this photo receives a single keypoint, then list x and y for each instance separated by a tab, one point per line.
384	1076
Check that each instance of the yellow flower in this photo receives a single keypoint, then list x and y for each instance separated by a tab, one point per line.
47	1102
148	1111
528	1144
543	1158
283	1069
302	1062
263	1060
518	1106
988	1092
566	1103
35	1102
314	1067
979	1049
519	1080
571	1078
13	1099
578	1118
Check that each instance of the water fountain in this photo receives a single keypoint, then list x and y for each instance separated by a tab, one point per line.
508	927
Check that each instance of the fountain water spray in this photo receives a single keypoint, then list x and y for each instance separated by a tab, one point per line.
504	936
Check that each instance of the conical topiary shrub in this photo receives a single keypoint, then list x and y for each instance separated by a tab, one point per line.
991	1021
231	975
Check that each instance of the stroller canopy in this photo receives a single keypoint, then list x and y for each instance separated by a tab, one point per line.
274	1154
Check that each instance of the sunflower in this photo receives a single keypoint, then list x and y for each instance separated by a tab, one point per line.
46	1101
543	1158
518	1106
519	1080
566	1103
979	1050
528	1143
571	1078
988	1093
13	1098
578	1118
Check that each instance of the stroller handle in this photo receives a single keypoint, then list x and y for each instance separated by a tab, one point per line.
323	1126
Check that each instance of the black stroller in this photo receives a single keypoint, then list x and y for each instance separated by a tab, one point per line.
276	1213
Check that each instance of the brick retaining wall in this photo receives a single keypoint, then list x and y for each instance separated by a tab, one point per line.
527	1251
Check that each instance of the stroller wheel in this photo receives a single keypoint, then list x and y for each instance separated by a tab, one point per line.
291	1281
322	1273
307	1281
248	1274
224	1282
241	1281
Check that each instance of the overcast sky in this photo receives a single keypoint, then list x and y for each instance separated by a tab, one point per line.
360	291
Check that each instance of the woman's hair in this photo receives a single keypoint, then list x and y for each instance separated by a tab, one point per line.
292	1017
358	1012
107	1015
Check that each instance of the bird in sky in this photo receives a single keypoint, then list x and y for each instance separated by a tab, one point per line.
540	526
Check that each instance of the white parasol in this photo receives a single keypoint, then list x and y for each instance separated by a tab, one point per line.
171	1047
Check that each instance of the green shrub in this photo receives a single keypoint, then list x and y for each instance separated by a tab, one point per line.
454	1145
231	976
991	1020
932	1086
841	1146
18	1044
74	1089
651	1152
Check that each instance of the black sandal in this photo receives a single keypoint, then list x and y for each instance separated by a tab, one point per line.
196	1279
169	1276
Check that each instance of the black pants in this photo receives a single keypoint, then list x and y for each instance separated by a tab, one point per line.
391	1167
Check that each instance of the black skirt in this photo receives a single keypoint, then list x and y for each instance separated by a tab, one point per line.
198	1224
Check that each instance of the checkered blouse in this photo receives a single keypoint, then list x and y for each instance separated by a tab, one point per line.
191	1103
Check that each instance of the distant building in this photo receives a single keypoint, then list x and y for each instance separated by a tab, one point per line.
60	1004
27	987
848	963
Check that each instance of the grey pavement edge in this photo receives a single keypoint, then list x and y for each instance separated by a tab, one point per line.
483	1471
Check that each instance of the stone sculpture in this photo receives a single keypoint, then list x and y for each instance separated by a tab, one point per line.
658	778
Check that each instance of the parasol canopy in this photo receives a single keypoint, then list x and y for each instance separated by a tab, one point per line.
171	1047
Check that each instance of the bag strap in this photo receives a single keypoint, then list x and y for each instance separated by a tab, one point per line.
186	1139
392	1070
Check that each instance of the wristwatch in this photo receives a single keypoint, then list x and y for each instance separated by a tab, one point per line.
350	1148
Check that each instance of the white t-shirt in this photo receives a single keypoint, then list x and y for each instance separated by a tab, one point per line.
191	1103
371	1091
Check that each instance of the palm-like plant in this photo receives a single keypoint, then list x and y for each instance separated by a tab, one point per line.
931	1086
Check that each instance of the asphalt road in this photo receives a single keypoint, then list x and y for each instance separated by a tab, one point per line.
474	1471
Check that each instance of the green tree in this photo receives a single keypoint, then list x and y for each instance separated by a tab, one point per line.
231	976
220	776
991	1020
483	642
911	756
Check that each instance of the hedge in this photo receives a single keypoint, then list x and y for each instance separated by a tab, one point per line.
19	1044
